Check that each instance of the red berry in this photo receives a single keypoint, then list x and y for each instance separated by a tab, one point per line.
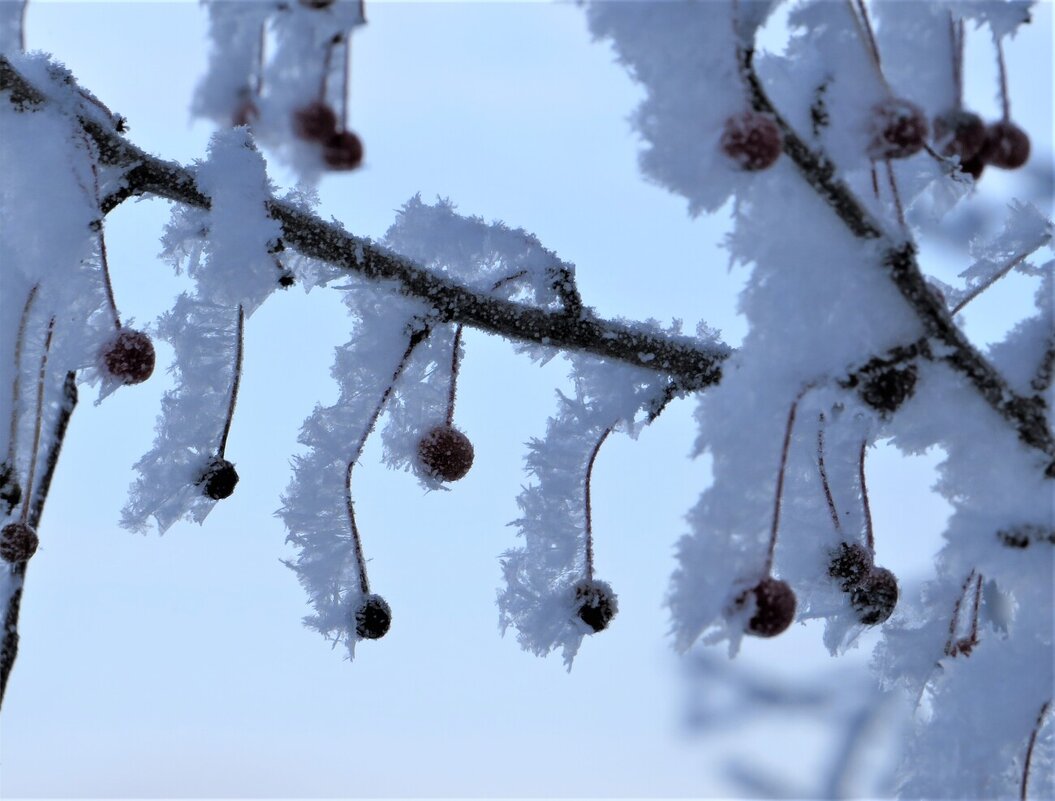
129	356
597	604
373	618
875	597
959	133
219	479
315	122
1006	145
899	129
18	542
445	453
752	140
343	151
774	607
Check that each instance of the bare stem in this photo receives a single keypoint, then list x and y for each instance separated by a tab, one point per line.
951	644
869	533
453	391
235	381
867	35
780	480
1005	99
16	383
589	513
28	491
347	95
897	196
1029	749
1007	267
956	37
824	474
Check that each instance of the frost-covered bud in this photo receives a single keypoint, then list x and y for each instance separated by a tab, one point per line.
10	489
18	542
960	133
373	618
315	122
1006	145
875	597
752	140
219	479
445	453
596	604
851	563
343	151
129	356
899	129
885	390
774	607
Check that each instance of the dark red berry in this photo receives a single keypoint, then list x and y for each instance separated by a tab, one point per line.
752	140
1006	145
129	356
18	542
886	389
899	129
343	151
851	563
960	133
10	489
596	604
315	122
219	479
373	618
774	607
875	597
445	453
974	166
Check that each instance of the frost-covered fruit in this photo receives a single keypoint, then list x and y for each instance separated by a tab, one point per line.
1006	145
373	618
885	390
18	542
851	562
596	604
219	479
752	140
445	453
899	129
875	596
315	122
10	489
129	356
774	607
960	133
343	151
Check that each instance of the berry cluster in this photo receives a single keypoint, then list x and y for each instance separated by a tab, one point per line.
873	590
317	123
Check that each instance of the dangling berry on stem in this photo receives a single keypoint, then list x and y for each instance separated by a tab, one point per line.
10	489
445	453
595	602
752	140
899	129
373	617
315	122
958	132
875	596
343	151
1006	145
18	543
219	478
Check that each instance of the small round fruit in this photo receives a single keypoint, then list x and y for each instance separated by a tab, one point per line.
219	479
885	390
343	151
899	129
875	597
851	563
445	453
373	618
129	356
18	542
596	604
774	607
1006	145
960	133
315	122
752	140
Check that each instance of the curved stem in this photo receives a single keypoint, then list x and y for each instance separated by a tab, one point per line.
780	479
867	36
236	380
1029	749
824	474
589	513
452	392
28	491
869	532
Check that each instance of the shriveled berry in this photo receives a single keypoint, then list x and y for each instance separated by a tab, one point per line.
10	489
886	389
851	562
18	542
343	151
129	356
219	479
373	618
774	607
1006	145
960	133
899	129
315	122
752	140
445	453
596	603
875	596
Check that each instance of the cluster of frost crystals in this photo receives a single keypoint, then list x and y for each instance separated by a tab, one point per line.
539	597
204	336
315	505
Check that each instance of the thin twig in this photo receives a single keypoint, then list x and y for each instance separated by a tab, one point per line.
28	491
869	533
1029	749
589	512
453	389
1005	99
16	382
824	474
235	381
780	479
954	622
1013	262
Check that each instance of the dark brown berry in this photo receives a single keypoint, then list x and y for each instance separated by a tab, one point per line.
851	563
315	122
960	133
974	166
10	489
1006	145
219	479
752	140
343	151
899	129
596	604
774	607
129	356
875	597
886	389
286	279
373	618
445	453
18	542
